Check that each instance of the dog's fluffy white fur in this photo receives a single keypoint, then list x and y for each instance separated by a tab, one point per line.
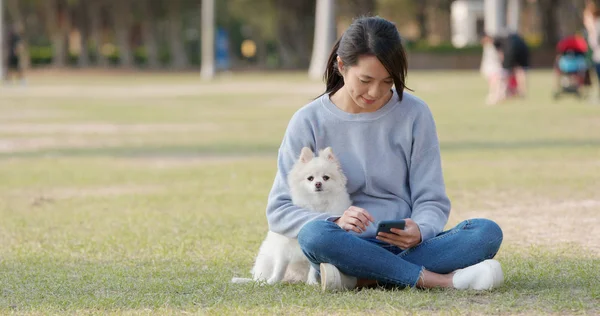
317	184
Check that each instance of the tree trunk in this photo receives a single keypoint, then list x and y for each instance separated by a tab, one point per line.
84	55
122	16
148	25
57	23
178	55
285	22
323	39
261	52
549	22
94	14
207	71
363	7
295	27
421	17
442	21
2	49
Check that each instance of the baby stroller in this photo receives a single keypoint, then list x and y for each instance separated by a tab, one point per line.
572	68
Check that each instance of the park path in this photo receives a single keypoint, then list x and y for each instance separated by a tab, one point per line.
545	222
115	84
155	90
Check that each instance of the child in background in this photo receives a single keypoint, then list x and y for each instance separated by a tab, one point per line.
491	70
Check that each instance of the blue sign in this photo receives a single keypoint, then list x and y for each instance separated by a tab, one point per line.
222	58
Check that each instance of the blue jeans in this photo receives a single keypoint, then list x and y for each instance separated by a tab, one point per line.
470	242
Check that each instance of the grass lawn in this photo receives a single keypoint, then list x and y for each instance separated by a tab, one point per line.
145	193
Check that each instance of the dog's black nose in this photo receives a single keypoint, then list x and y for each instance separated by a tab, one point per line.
318	185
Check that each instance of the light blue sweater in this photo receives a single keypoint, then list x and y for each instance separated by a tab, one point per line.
391	158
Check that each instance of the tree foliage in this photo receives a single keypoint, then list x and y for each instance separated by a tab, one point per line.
157	33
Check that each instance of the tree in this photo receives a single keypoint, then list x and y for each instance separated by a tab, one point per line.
84	30
179	58
148	26
207	71
323	39
122	18
95	9
363	7
1	40
295	27
421	16
57	24
441	20
549	22
256	22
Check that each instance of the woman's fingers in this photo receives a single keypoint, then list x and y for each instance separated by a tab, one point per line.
351	227
355	219
357	222
403	238
387	240
389	236
369	216
363	213
353	224
359	214
392	239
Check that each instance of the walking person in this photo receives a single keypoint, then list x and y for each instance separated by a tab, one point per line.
14	67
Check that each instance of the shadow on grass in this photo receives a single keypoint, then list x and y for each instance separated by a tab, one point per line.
265	149
542	282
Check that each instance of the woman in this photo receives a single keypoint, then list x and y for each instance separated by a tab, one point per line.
386	142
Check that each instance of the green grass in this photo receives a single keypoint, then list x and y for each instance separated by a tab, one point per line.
125	204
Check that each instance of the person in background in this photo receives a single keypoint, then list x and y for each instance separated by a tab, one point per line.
491	70
591	22
514	54
13	57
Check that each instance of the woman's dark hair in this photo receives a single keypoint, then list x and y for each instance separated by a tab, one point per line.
373	36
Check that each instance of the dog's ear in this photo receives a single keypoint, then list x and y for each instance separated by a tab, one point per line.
306	155
328	154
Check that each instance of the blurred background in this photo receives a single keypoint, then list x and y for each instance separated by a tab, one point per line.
268	34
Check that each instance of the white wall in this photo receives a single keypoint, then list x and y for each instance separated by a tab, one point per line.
464	15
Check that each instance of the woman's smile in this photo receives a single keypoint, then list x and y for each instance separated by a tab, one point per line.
368	101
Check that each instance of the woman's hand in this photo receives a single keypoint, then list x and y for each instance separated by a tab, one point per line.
405	238
355	219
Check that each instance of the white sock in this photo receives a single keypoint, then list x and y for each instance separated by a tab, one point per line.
485	275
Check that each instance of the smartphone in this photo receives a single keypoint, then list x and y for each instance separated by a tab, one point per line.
385	226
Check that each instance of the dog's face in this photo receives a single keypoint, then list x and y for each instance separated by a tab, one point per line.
317	175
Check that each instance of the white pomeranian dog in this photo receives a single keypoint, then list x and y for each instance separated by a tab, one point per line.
317	184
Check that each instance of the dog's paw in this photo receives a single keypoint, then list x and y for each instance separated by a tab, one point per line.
312	282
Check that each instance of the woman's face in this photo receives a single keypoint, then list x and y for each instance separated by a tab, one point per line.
367	83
